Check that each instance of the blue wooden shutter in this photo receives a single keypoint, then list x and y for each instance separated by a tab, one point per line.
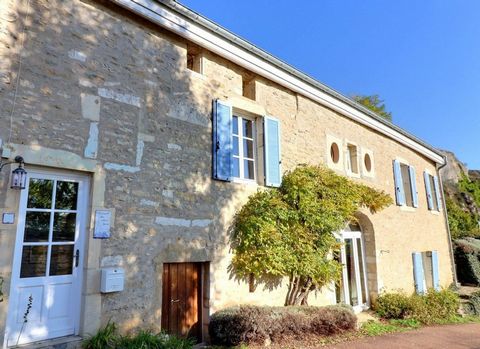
437	192
273	176
435	273
413	185
222	141
418	273
399	191
428	189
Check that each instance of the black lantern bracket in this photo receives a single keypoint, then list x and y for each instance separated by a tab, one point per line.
18	160
19	175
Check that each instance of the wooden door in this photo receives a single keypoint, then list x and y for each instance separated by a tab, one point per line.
181	299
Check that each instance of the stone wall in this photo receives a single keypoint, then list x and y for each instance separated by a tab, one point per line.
104	92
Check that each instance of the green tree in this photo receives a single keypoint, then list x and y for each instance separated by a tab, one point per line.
288	232
375	104
461	222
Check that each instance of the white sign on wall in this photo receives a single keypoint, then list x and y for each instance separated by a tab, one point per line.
8	218
102	224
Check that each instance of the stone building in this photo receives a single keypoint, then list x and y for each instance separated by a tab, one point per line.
143	127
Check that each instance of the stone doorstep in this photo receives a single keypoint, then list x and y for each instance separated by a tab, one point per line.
70	342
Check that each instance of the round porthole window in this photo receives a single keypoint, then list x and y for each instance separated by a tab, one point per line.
368	162
335	153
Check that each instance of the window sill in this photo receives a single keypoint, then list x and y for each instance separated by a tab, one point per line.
249	182
196	74
353	175
435	213
408	208
370	175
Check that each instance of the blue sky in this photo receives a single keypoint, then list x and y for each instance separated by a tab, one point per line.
421	57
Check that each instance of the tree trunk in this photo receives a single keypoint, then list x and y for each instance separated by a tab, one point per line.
298	290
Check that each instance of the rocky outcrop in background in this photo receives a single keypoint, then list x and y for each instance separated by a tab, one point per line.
456	178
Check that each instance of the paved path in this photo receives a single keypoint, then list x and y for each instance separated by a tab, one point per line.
438	337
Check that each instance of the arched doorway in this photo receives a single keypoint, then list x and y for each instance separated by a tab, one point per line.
353	288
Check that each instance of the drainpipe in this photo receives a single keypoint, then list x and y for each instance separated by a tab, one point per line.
445	213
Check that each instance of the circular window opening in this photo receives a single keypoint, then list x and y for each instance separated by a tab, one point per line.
368	162
334	153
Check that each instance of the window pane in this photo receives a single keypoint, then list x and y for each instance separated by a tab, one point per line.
40	193
235	125
362	270
37	226
352	157
352	279
406	185
61	261
248	169
66	196
247	148
247	128
434	193
64	226
34	261
339	288
236	167
235	145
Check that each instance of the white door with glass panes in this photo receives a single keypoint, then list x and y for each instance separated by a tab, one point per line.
353	284
44	300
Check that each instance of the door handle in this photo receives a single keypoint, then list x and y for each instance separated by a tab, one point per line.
175	300
77	258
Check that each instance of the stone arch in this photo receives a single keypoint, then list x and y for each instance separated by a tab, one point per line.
368	234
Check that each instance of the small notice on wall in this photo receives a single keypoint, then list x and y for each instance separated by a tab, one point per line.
102	224
8	218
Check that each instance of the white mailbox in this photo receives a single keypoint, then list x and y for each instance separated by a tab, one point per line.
113	280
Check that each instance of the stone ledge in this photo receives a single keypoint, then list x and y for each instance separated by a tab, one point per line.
70	342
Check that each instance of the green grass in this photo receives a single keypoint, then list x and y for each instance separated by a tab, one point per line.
374	328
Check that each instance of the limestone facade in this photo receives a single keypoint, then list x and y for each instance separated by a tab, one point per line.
106	93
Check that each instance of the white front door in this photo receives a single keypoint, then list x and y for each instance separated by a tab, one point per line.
353	288
47	268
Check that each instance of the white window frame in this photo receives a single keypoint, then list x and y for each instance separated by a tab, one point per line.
338	166
406	207
365	172
348	158
240	117
434	194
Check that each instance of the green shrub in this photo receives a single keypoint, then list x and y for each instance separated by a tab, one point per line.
393	306
252	324
467	260
461	222
108	338
433	307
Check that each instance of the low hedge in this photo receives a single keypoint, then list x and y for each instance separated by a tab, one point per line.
472	305
467	260
433	307
252	324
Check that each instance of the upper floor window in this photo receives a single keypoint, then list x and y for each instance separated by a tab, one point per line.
352	158
243	143
194	59
248	86
432	189
235	147
405	184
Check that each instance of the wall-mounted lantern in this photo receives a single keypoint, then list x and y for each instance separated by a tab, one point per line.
19	175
